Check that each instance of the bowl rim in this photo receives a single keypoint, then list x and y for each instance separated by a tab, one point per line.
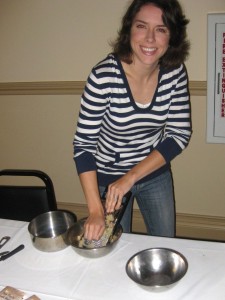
158	248
47	214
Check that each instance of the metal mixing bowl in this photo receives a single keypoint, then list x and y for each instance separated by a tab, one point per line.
156	267
48	231
76	232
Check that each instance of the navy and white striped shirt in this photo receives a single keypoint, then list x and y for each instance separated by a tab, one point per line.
114	134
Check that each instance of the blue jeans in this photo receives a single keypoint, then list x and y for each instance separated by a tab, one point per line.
155	199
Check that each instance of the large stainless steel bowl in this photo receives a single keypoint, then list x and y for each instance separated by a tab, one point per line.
156	267
48	231
76	232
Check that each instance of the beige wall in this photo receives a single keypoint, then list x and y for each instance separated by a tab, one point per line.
60	40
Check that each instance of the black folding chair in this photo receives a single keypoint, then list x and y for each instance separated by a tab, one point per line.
24	202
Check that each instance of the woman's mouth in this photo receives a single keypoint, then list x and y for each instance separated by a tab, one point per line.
148	50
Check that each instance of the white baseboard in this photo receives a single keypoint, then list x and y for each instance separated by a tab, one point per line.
187	225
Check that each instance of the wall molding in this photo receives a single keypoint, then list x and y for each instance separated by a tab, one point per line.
187	225
197	88
42	88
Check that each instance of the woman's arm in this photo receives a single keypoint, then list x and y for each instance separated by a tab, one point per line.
93	106
95	224
119	188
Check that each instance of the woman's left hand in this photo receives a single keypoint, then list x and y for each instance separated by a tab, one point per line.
116	191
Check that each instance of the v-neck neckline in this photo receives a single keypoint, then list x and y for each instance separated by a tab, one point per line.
135	105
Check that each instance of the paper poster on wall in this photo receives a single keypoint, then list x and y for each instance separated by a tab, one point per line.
219	129
216	79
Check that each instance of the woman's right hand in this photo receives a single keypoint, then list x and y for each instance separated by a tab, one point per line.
94	226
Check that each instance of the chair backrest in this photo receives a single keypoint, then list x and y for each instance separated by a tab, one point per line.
26	202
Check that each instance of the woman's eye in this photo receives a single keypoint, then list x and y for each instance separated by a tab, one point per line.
162	30
140	26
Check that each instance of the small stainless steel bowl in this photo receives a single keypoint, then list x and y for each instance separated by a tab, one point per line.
156	267
76	232
48	231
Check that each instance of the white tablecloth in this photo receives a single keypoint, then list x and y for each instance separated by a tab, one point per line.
66	275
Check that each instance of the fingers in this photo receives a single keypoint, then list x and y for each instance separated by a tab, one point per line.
113	200
93	229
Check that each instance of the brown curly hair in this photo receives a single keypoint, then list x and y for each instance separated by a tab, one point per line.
175	20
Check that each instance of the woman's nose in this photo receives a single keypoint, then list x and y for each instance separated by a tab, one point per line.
150	35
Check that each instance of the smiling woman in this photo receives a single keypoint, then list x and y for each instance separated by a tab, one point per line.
135	118
149	39
149	36
173	19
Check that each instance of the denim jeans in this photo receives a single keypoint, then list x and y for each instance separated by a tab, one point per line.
155	199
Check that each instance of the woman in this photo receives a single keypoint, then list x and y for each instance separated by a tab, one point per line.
135	118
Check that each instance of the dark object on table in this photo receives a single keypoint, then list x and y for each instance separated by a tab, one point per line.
8	254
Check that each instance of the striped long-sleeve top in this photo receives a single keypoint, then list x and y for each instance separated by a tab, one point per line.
114	134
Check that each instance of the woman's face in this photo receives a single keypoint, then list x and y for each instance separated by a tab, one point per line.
149	37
